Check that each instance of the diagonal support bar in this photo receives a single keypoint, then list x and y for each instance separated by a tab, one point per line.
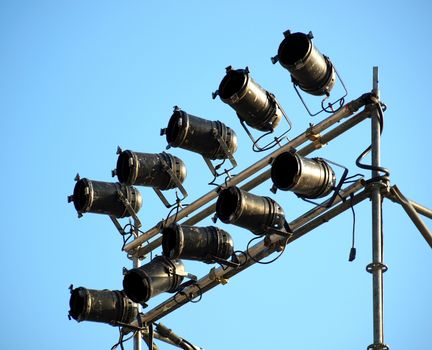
412	213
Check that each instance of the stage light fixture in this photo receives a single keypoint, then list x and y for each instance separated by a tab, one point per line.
200	135
153	170
108	198
103	306
309	178
158	276
254	105
258	214
161	171
310	70
206	244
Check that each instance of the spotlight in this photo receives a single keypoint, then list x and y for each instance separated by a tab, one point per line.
254	105
161	171
104	306
100	197
153	170
200	135
309	178
258	214
212	139
207	244
309	69
158	276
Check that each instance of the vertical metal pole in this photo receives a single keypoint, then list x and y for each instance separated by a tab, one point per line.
377	266
137	338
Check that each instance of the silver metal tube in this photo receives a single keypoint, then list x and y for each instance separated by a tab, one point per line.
377	239
415	218
416	206
259	251
137	338
421	209
344	112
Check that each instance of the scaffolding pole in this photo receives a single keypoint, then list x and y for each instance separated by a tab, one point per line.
377	267
137	344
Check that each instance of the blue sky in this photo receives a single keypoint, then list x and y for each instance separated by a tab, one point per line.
79	78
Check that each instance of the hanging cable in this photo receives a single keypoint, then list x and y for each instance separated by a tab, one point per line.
190	298
353	251
284	244
121	340
386	172
353	178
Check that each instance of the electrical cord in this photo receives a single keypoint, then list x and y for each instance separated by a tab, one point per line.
265	262
369	148
121	340
353	251
190	298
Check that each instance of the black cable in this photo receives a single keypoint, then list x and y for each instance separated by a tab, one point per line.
352	178
329	108
353	250
271	144
189	298
244	254
265	262
369	148
121	340
217	167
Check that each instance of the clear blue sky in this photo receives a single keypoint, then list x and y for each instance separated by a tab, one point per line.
78	78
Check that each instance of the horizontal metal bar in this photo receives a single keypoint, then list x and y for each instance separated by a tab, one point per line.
415	218
344	112
259	251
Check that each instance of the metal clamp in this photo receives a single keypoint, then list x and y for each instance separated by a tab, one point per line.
221	280
314	137
376	266
378	346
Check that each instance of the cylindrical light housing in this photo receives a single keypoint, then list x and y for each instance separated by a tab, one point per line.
309	178
255	213
310	70
199	135
102	198
104	306
158	276
253	104
146	169
196	243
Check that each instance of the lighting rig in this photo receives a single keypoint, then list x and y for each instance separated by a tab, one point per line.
232	202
